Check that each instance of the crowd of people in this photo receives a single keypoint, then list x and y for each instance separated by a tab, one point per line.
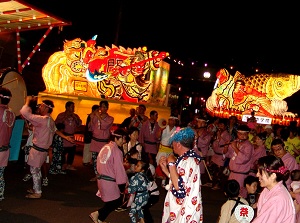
255	165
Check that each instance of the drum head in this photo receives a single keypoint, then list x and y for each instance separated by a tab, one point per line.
12	79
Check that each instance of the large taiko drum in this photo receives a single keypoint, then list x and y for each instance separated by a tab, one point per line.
12	79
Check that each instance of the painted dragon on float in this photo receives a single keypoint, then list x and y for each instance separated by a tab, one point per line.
263	93
83	69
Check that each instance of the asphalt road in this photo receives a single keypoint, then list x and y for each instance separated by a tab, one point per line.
71	198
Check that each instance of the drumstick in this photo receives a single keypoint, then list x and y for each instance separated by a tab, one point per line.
206	167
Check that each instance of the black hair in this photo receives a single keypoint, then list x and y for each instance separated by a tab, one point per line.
250	179
232	188
277	141
271	164
131	130
153	112
143	106
145	165
49	104
262	135
285	133
95	107
223	121
149	173
118	133
104	103
243	127
295	175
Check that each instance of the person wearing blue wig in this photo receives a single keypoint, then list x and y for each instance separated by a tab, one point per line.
183	199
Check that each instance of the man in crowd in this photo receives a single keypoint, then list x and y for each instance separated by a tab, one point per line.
7	122
183	200
71	121
240	152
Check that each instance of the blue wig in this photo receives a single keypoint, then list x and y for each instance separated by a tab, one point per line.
185	136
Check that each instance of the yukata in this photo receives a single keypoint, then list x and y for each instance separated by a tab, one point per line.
290	163
258	152
101	133
6	126
240	163
71	124
138	185
43	131
148	138
186	203
218	159
203	142
111	173
57	151
275	205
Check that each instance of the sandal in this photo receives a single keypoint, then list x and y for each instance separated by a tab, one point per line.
30	191
94	216
34	196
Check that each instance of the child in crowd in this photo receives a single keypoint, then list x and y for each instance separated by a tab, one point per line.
153	192
295	185
132	142
130	161
251	185
232	191
57	151
138	188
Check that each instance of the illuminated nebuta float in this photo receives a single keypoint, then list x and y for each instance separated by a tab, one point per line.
85	70
263	93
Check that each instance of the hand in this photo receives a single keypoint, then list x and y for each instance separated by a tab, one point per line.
163	163
70	139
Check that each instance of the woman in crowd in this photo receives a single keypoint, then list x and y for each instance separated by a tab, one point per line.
275	204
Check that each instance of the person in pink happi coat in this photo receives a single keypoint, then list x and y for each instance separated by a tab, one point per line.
275	203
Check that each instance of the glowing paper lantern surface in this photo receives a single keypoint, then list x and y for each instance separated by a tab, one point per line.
84	69
262	93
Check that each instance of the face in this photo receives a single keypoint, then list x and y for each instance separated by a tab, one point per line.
278	150
71	108
42	109
175	146
251	189
221	126
141	110
132	112
258	141
242	135
138	167
201	123
120	141
265	180
134	135
103	109
155	117
171	122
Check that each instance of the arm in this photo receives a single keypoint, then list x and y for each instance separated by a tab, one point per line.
68	138
170	170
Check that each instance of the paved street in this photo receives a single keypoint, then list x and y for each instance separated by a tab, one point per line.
71	198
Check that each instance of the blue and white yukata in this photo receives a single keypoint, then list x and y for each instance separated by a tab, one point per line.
138	185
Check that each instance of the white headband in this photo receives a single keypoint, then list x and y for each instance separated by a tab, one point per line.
3	96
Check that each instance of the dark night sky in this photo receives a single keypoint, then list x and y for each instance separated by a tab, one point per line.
244	35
